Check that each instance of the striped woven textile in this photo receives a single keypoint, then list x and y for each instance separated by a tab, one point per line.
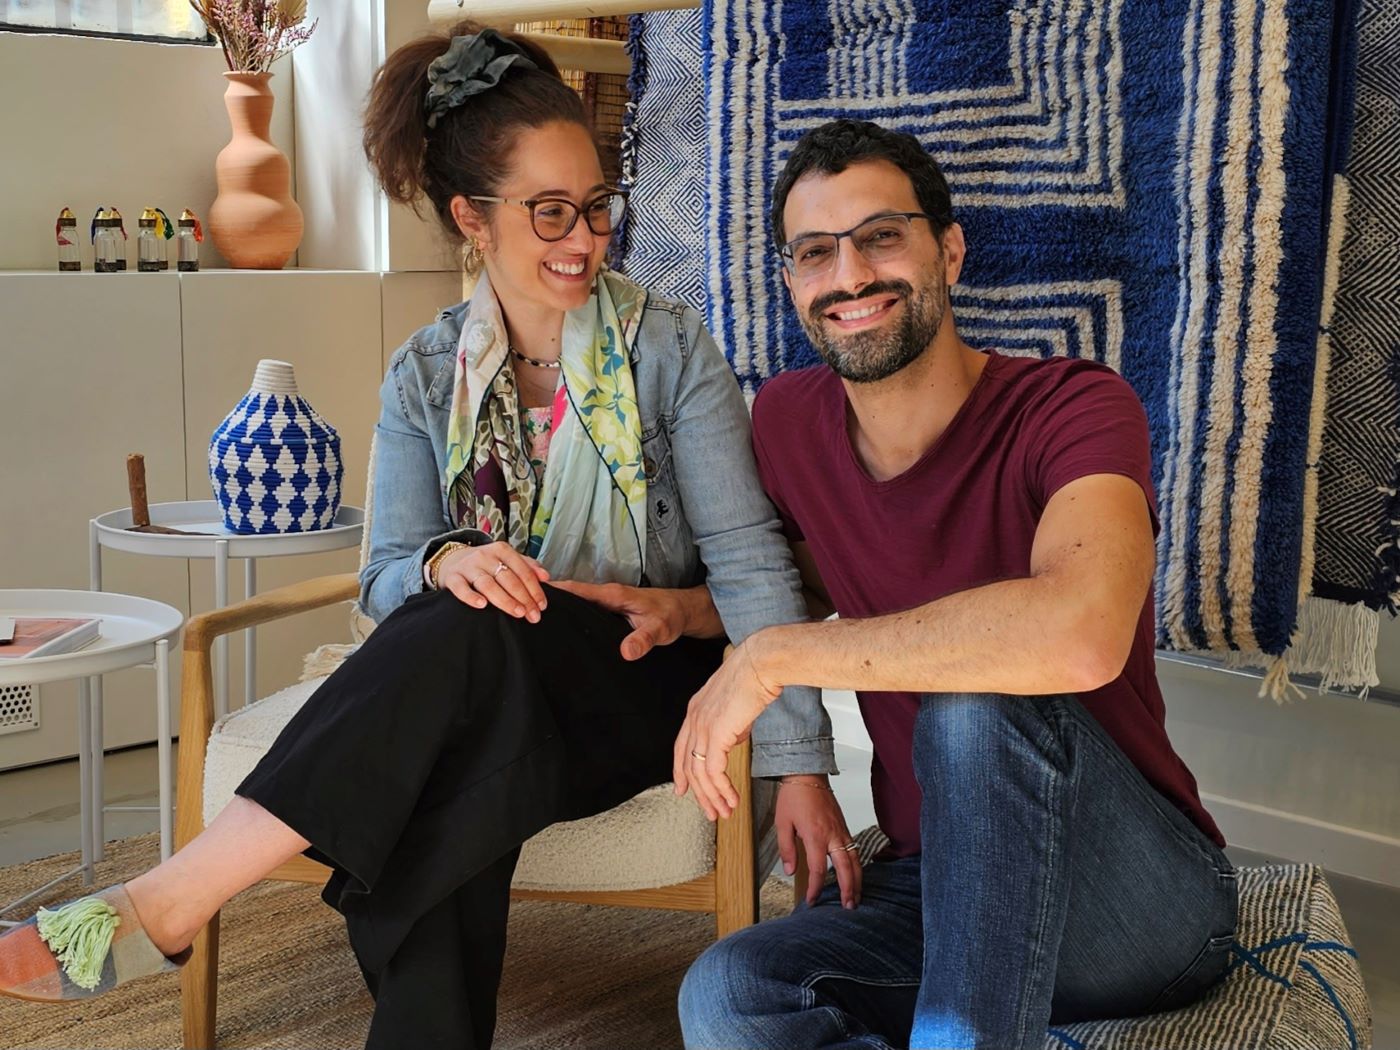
1357	569
663	246
1140	183
1294	984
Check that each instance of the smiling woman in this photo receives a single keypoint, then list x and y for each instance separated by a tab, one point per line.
567	519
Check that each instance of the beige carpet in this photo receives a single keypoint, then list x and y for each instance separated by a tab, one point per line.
576	976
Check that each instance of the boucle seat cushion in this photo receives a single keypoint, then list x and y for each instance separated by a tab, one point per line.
654	839
1294	982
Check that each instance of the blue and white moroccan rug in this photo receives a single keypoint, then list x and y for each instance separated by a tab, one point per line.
1140	182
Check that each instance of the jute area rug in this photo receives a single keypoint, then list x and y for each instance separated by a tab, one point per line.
576	976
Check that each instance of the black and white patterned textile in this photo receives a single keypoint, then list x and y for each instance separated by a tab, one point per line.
662	165
1358	516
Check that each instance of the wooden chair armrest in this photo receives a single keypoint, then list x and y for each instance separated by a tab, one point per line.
197	680
201	630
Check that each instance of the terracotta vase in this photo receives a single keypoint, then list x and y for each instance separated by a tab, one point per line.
254	221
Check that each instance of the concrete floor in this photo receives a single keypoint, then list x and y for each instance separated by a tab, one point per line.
39	817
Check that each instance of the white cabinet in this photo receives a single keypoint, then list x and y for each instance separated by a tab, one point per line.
93	366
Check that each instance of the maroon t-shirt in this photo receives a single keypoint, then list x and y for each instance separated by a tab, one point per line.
964	515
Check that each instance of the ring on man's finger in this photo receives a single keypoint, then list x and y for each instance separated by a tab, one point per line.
850	847
697	754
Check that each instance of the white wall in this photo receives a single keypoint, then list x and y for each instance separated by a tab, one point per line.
116	122
349	225
411	243
1316	778
334	188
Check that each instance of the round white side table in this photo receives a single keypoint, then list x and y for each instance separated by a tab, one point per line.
203	521
135	632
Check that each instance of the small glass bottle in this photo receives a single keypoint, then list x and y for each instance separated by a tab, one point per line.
150	248
119	224
104	249
66	230
165	230
187	243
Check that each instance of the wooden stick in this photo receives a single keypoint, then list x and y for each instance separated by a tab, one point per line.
140	507
136	485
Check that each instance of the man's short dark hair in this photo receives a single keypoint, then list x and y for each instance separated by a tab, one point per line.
835	146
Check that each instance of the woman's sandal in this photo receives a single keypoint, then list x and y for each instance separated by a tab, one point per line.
79	950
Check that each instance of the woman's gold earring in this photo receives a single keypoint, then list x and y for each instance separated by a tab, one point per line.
472	255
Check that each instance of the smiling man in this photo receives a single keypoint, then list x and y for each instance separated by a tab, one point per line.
984	526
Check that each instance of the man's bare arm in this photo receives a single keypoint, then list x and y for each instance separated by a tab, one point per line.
1067	627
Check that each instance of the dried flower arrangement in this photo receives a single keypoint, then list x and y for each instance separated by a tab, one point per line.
254	33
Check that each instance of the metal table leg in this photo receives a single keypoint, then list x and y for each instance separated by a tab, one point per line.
85	797
250	636
167	825
220	643
97	824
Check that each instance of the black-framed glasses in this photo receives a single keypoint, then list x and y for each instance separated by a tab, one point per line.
879	239
554	218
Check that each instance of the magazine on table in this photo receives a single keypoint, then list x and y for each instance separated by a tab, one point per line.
31	636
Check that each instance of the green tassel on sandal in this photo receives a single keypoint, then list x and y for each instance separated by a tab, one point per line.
80	935
80	949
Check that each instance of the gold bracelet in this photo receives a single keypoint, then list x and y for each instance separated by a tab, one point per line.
439	555
804	783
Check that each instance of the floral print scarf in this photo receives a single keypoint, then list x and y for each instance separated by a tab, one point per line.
586	518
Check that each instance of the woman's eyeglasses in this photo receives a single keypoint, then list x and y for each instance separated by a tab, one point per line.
554	218
879	239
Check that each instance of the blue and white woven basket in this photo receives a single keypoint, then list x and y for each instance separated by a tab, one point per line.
273	462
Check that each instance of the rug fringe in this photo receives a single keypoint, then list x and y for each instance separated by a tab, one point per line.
1335	641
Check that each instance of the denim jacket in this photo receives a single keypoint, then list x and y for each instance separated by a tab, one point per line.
707	517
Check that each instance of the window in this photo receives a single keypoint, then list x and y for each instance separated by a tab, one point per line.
164	19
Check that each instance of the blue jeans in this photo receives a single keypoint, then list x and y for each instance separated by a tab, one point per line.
1055	885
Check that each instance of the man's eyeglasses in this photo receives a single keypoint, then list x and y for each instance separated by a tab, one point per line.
554	218
879	239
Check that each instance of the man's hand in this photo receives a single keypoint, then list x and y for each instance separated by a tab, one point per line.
657	614
807	810
719	716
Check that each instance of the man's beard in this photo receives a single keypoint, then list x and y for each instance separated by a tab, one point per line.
868	357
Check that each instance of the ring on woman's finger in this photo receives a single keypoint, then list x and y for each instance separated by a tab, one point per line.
499	567
697	754
850	847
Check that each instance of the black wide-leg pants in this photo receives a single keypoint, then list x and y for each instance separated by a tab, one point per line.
422	764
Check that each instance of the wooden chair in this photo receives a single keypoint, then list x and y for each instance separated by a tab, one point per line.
729	890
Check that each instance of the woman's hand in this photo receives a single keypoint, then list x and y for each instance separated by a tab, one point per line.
498	574
808	811
719	716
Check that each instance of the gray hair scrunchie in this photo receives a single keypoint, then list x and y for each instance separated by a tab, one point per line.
470	65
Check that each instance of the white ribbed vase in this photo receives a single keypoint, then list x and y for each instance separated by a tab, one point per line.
274	463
